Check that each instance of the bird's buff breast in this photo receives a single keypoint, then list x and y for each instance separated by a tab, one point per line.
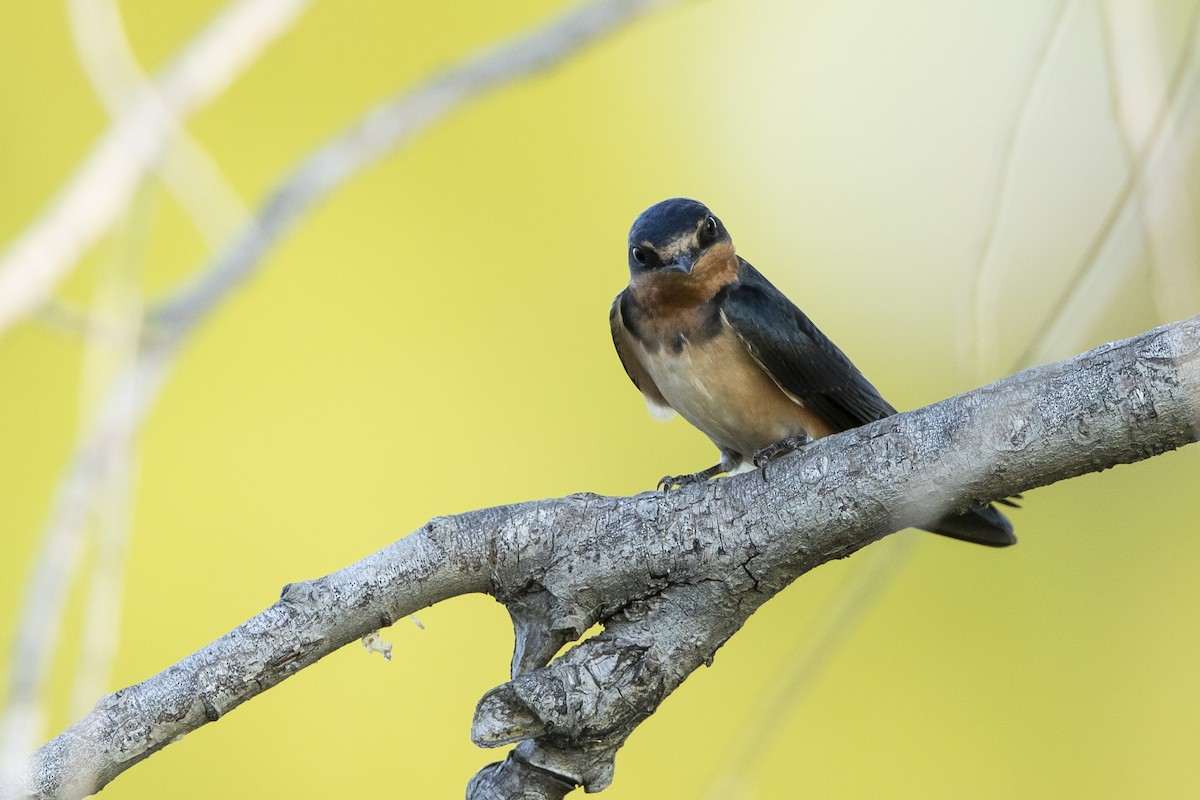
719	388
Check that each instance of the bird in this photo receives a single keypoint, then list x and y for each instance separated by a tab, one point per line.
702	333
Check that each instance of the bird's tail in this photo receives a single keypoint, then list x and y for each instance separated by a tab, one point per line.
981	525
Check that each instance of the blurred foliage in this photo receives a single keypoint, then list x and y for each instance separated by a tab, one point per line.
433	339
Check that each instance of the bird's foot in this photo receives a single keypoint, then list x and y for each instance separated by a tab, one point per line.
766	455
670	481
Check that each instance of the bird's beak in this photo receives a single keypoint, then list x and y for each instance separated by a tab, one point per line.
682	264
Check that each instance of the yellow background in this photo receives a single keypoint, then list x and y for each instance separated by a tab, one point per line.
433	339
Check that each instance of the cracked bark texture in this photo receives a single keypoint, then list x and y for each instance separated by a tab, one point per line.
670	576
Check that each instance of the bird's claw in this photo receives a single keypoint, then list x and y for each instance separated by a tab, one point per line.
669	482
765	455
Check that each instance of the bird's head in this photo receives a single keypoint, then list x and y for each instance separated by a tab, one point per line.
673	235
678	249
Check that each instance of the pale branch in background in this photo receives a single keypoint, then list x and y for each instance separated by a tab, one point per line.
1092	289
1134	61
118	296
116	417
216	211
145	117
191	174
380	131
671	576
100	190
74	319
1164	137
977	313
134	390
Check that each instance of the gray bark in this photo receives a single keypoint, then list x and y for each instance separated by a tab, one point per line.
671	576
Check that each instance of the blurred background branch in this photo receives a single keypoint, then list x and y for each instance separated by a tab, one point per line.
1158	128
215	210
95	196
191	174
145	133
978	313
384	128
1143	107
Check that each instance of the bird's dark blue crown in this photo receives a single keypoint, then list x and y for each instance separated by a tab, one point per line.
665	221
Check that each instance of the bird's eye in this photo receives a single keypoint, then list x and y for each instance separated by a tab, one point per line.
710	227
639	255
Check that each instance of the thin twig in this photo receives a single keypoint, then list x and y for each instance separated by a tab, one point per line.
1091	285
977	312
1134	64
100	189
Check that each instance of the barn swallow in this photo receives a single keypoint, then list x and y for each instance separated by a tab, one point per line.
702	333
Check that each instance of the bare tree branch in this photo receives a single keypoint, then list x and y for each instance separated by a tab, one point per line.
671	576
99	191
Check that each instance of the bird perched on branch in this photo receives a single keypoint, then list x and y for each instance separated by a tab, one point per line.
702	333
